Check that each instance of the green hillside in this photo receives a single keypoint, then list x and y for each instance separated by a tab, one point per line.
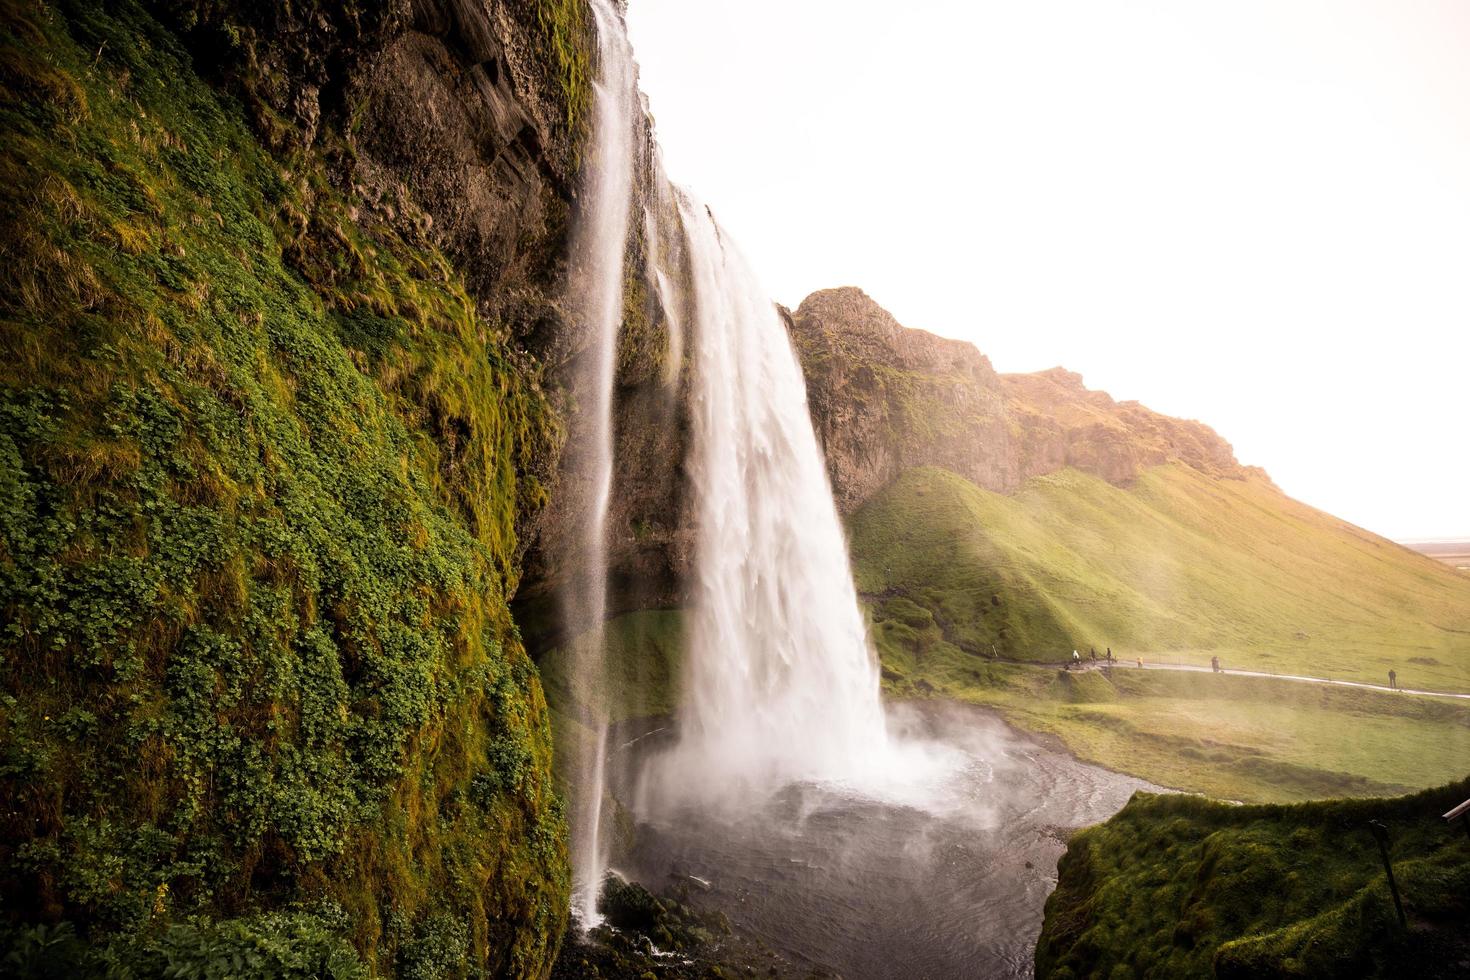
643	654
1178	566
1178	886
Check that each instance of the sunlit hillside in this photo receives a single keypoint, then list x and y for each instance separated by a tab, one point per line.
1178	566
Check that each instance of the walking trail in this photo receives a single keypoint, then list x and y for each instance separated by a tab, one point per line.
1132	665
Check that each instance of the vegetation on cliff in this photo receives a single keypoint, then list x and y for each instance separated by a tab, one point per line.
1179	886
262	464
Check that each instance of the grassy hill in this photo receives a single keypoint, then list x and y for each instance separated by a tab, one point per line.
1178	886
1180	566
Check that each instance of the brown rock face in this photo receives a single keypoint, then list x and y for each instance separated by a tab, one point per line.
454	117
885	398
1062	423
454	113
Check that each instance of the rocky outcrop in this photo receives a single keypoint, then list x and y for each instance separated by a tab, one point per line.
885	398
1061	422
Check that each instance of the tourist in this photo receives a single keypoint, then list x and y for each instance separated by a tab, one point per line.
1393	680
1215	664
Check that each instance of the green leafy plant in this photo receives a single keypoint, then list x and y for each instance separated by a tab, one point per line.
262	465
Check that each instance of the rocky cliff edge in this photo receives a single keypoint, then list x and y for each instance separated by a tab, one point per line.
885	398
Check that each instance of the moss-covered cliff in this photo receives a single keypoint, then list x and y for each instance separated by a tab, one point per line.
269	447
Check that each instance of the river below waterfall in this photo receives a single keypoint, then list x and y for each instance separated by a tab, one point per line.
948	885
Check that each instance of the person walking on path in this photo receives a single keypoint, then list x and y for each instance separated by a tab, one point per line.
1215	664
1092	652
1076	658
1110	654
1393	680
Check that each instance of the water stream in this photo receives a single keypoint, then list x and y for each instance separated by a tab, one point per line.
598	248
780	683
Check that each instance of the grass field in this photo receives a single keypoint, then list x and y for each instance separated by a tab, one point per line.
1233	738
1178	566
1236	738
1177	886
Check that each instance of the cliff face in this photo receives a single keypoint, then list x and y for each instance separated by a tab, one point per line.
283	350
1061	423
466	119
886	398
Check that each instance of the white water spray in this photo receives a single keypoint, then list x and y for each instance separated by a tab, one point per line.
598	249
780	684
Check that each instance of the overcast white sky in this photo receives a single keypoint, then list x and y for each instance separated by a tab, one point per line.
1256	214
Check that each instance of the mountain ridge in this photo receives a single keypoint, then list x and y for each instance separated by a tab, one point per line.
885	397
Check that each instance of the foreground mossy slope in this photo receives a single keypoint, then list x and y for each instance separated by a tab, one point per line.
260	470
1178	886
1180	564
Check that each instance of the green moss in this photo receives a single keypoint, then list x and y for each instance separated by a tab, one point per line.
567	29
1178	886
261	466
292	945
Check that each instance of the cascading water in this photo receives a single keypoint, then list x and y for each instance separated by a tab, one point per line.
598	250
780	684
784	788
663	287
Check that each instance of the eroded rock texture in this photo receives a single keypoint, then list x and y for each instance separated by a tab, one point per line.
885	397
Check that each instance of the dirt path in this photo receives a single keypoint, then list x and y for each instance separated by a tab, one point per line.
1300	678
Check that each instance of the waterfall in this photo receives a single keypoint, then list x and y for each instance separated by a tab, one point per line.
598	247
780	684
659	263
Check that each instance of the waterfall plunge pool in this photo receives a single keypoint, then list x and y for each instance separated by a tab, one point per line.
951	885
